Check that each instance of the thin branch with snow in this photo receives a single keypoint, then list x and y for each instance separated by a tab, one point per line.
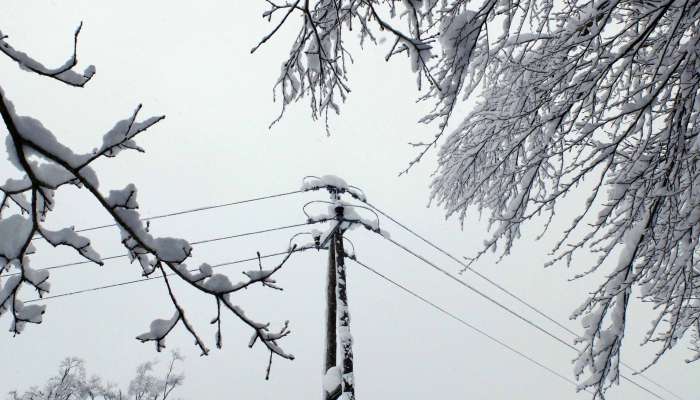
45	165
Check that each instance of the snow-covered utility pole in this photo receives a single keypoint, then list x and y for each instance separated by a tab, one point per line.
331	321
339	378
343	313
338	381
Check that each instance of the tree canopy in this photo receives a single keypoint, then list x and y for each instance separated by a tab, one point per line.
73	382
602	92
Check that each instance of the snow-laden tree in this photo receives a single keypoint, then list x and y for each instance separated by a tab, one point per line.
44	165
73	383
602	91
146	386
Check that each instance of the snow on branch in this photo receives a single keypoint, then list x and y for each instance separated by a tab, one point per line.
45	165
318	61
597	94
63	73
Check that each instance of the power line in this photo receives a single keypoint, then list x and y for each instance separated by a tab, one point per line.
508	292
238	235
477	273
483	333
216	239
480	293
104	287
149	278
193	210
146	279
506	308
646	378
465	323
501	288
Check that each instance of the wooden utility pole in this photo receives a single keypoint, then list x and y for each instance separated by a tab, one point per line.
332	307
337	312
331	345
348	381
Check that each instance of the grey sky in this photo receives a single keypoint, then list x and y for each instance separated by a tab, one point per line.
191	62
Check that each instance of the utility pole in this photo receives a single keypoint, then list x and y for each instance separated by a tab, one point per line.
348	381
337	312
331	306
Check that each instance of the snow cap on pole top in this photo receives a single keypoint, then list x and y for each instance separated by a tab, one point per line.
333	184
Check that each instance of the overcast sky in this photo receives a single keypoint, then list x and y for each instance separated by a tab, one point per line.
191	62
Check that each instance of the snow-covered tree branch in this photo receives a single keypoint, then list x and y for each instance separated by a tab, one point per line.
43	166
606	92
65	73
317	65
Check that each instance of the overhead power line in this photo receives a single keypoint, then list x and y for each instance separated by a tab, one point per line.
477	273
506	308
435	306
465	323
193	210
480	293
508	292
149	278
431	244
216	239
146	279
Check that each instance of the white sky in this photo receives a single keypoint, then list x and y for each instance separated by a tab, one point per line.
191	62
